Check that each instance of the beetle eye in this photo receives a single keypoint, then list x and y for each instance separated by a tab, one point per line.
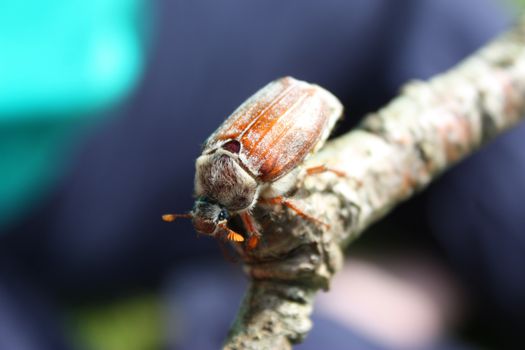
232	146
223	215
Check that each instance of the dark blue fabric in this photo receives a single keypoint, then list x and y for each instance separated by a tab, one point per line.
101	231
29	319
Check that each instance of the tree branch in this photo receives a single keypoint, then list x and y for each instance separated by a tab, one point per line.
391	155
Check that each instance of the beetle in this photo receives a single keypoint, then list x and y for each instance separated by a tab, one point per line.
257	153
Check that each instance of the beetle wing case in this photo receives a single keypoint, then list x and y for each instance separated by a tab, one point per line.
278	127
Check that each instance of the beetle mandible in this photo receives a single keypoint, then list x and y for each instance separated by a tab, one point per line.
257	153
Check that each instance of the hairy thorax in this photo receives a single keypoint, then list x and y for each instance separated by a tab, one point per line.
220	177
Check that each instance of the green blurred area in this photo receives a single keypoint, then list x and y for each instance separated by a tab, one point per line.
64	58
62	62
132	323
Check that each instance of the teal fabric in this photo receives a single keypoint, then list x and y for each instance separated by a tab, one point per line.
62	62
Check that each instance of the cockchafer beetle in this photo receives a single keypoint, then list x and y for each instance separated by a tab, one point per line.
256	155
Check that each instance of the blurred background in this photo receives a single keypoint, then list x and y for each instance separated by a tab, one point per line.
103	107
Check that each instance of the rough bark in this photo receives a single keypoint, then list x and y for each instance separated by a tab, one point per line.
394	153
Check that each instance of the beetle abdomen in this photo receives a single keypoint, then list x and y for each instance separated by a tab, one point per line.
279	126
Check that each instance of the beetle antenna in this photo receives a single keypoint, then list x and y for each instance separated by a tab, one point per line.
231	235
172	217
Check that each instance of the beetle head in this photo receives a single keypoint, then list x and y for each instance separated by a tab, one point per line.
208	215
209	218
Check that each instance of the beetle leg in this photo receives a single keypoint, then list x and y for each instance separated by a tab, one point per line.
290	205
251	227
172	217
323	169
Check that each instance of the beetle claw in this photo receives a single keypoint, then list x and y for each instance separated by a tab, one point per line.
234	237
